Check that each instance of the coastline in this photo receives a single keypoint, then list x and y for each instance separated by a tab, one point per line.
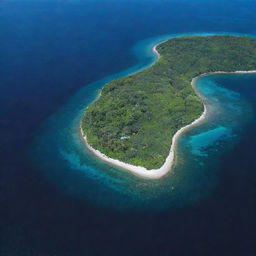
169	162
155	50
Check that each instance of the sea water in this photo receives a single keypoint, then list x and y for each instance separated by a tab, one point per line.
56	198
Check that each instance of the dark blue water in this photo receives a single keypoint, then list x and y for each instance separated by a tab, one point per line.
55	199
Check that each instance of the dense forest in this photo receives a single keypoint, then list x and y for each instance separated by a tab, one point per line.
136	116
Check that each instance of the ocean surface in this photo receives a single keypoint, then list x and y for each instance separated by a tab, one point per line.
59	200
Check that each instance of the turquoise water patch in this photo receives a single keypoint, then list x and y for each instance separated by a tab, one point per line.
203	142
212	88
76	163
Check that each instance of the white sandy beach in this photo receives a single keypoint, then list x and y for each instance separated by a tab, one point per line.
169	162
155	50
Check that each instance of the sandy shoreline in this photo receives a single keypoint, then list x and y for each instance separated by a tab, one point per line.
168	164
155	50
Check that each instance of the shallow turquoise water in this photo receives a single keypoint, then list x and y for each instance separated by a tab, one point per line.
63	159
201	141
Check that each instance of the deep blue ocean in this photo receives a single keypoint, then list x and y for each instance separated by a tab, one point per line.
56	199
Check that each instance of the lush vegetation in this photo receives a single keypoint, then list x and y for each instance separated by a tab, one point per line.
135	117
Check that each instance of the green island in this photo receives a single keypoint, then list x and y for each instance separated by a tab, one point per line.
135	117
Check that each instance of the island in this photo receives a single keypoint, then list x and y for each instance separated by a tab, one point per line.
136	120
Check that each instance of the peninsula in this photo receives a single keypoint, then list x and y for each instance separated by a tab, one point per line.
135	122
